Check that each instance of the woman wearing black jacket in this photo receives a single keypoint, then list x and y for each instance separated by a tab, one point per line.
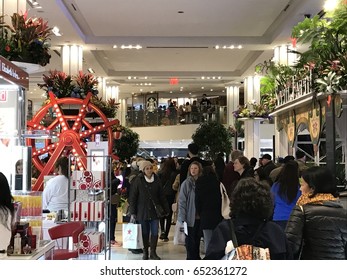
146	190
251	209
208	202
317	226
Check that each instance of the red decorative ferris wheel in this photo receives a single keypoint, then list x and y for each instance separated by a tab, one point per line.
71	131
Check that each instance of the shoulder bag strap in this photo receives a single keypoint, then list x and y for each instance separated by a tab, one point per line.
149	195
232	231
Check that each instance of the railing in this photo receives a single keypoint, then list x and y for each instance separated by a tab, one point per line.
295	90
172	116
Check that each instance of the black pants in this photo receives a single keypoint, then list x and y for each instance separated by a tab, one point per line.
165	222
193	241
113	219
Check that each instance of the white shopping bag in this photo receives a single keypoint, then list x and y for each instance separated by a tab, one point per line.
179	236
132	236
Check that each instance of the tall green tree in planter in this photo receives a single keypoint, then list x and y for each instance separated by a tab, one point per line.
127	146
213	138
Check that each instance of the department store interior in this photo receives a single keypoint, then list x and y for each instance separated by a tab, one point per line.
148	57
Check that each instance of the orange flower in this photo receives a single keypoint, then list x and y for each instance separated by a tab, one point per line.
7	48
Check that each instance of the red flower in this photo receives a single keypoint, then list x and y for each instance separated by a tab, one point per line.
7	48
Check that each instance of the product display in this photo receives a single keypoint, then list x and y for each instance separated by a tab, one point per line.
84	180
91	242
89	203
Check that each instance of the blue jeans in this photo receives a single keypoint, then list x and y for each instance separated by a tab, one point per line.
150	227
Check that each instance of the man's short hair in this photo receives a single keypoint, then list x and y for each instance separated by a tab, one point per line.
299	154
193	148
288	158
266	156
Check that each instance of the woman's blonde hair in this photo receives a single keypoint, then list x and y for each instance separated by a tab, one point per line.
200	168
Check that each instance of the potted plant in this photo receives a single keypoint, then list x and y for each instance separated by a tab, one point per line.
27	40
213	138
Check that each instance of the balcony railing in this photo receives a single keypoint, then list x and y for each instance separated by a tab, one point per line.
159	117
295	90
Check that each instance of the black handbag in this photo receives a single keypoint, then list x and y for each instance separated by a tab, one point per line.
159	210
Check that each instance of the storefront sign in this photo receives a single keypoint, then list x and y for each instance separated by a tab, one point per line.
13	73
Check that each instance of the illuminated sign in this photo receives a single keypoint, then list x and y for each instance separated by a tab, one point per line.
173	81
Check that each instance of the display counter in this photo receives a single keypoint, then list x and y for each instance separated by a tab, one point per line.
44	252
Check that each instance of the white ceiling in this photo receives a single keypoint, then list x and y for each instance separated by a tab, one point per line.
174	44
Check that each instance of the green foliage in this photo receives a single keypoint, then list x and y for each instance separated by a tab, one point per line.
212	138
126	147
327	53
27	40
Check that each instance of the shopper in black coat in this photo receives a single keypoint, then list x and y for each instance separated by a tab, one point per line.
146	190
317	226
251	209
208	202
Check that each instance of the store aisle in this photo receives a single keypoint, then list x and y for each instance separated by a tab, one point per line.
165	250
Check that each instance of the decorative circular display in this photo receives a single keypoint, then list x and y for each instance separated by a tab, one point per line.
72	131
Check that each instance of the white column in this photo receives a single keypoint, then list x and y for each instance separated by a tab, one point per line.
11	7
122	110
252	138
252	88
281	143
112	92
232	102
283	56
72	56
252	126
102	87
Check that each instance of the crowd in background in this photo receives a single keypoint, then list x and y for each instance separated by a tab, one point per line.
290	208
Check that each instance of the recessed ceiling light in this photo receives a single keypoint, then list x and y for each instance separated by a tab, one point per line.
56	31
115	46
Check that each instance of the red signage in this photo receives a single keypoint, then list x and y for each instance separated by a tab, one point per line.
173	81
3	96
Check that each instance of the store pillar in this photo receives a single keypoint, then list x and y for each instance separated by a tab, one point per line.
281	144
233	102
252	138
72	57
252	125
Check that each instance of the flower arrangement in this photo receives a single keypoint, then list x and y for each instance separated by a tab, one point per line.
77	86
108	107
63	85
326	56
252	110
27	40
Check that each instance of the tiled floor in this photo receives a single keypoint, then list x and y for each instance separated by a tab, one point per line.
165	250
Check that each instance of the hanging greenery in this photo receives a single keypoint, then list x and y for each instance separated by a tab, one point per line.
327	53
213	138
